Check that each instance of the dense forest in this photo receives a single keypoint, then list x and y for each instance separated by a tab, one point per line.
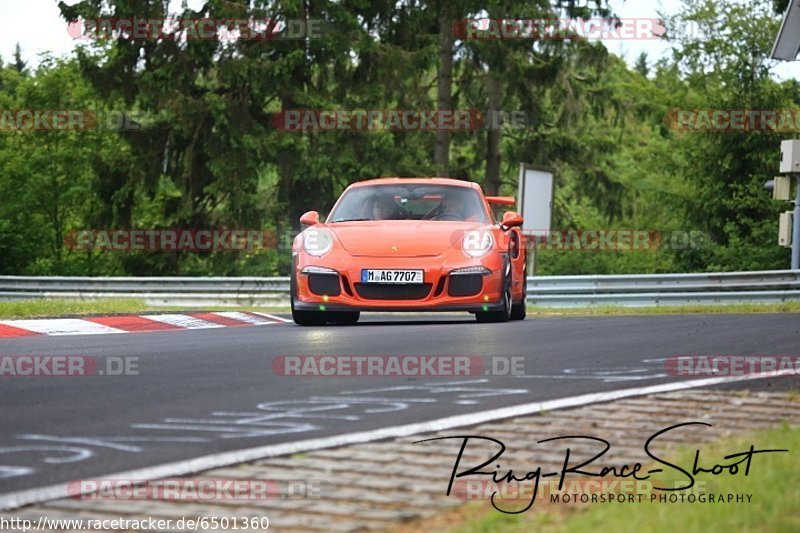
200	146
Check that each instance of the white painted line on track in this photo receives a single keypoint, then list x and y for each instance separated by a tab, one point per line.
272	317
189	466
244	317
183	321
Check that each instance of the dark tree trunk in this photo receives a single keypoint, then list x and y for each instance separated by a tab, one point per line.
444	88
493	135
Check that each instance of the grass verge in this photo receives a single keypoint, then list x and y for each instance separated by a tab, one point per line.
69	307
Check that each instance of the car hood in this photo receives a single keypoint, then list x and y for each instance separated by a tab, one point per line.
401	238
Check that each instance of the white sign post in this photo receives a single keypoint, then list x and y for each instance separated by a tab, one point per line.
535	203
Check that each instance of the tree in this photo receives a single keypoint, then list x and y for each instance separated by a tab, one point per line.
19	64
727	67
641	65
509	72
205	150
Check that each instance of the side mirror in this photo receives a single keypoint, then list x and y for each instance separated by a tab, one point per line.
309	218
511	219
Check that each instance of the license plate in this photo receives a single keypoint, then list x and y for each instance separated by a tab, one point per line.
391	276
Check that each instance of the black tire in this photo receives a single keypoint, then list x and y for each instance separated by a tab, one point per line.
503	314
320	318
520	309
347	318
308	318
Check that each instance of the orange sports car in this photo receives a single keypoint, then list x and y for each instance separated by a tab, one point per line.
409	244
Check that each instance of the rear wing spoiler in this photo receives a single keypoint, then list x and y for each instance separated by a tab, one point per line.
501	200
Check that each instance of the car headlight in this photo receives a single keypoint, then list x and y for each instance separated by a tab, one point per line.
477	243
317	242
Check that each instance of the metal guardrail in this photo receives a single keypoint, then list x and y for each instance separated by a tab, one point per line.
550	291
155	291
772	286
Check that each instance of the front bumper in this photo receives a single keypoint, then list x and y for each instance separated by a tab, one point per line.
340	289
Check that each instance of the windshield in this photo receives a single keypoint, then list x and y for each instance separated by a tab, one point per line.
410	202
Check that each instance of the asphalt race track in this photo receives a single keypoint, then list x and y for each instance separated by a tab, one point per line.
200	392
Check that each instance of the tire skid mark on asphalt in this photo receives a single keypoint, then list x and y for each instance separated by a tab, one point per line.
262	453
453	386
268	420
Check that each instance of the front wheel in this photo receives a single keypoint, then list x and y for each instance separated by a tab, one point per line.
346	318
320	318
520	309
504	313
308	318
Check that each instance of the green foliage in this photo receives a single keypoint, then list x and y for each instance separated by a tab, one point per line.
204	153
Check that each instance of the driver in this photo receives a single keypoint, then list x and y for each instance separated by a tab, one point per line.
383	208
452	208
